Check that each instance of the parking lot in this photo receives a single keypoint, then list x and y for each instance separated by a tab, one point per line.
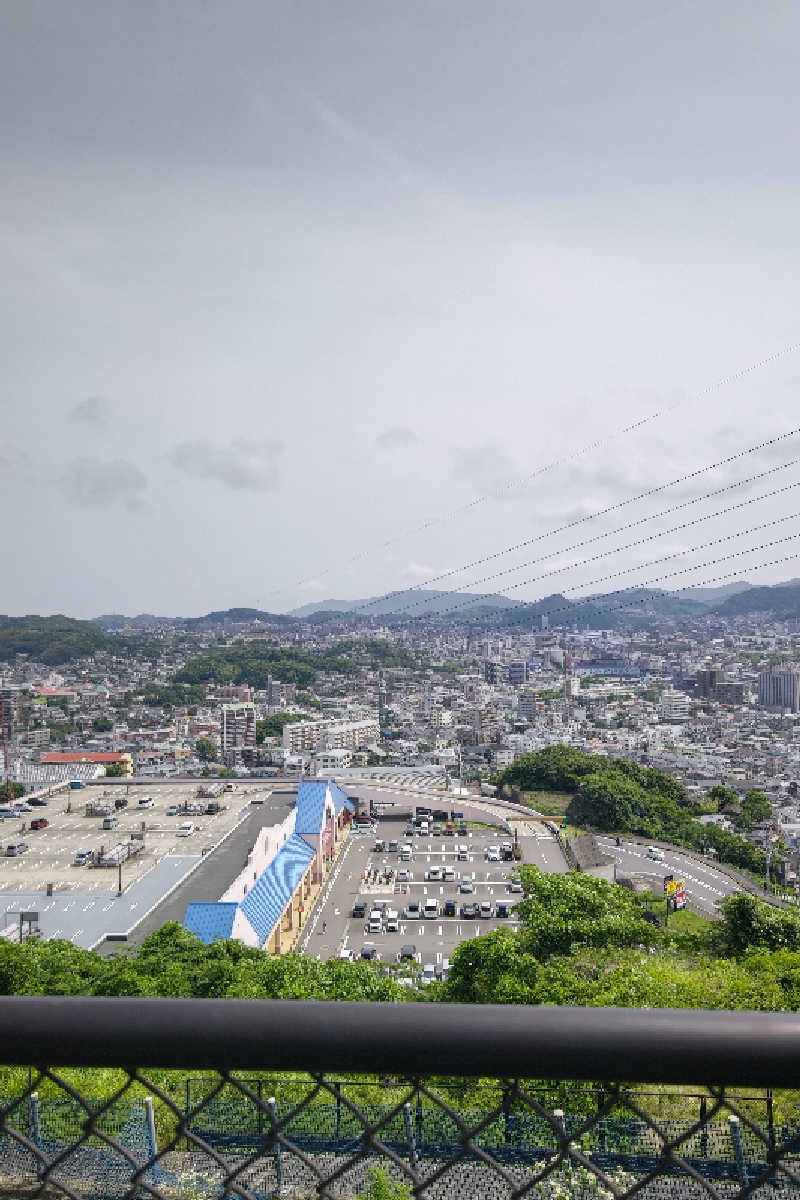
51	852
437	874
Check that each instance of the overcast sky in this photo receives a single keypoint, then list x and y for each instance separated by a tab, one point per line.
282	283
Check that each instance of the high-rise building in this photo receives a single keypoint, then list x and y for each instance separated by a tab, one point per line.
674	705
779	687
517	673
237	733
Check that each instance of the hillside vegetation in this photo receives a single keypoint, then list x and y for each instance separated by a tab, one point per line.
614	795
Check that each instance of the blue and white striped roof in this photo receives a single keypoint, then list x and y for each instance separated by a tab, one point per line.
209	921
270	894
311	797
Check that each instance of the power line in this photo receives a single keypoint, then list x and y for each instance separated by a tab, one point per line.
620	504
661	593
472	597
545	468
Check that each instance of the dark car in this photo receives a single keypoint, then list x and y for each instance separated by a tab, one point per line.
121	802
469	911
40	823
37	801
369	952
408	951
359	909
450	908
502	909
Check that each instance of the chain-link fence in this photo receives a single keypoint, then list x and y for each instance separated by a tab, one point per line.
85	1130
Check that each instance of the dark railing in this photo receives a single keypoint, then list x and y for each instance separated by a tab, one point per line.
447	1101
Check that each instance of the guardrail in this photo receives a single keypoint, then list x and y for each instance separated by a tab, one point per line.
504	1115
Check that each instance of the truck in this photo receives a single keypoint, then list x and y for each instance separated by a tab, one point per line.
98	808
118	854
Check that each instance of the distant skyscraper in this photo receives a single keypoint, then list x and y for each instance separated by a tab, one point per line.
238	733
779	687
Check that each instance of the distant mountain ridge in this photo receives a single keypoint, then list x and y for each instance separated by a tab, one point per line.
413	600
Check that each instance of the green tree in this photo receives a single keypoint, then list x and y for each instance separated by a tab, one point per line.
102	725
381	1187
756	808
115	770
723	797
206	750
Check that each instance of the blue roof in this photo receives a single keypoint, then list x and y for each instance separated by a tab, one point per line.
209	921
310	806
270	894
339	797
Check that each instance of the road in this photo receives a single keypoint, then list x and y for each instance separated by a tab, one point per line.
705	886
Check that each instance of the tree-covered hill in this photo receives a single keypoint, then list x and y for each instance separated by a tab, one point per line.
783	599
253	662
52	640
613	794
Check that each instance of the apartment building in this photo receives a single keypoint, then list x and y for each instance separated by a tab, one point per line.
237	733
779	688
305	736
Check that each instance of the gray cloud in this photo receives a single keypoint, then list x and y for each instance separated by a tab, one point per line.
400	437
244	465
94	410
94	482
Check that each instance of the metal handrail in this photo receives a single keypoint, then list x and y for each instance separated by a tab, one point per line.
682	1046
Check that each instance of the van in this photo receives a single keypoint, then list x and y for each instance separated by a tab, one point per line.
431	909
83	858
186	829
462	854
424	828
405	852
376	921
16	848
110	822
654	853
145	802
392	921
359	909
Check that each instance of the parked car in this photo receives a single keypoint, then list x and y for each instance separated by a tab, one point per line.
186	829
408	951
15	848
466	885
37	802
392	848
403	876
39	823
448	875
428	974
434	874
173	810
655	853
431	909
110	822
469	911
360	909
369	952
462	854
493	854
121	802
515	885
83	858
412	911
486	908
145	802
502	909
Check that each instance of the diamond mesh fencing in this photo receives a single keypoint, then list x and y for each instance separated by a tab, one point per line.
164	1135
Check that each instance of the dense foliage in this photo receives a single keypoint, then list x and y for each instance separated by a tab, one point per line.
172	962
613	794
51	640
254	662
603	952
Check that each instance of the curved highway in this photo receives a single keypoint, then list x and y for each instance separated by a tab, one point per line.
705	886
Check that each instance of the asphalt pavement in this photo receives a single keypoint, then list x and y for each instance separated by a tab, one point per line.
705	886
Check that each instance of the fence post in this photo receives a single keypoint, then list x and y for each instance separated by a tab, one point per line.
770	1121
412	1145
738	1151
558	1113
35	1128
278	1158
506	1116
337	1119
704	1130
151	1126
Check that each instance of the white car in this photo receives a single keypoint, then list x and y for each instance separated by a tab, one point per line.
428	973
145	802
655	853
186	829
434	874
411	911
493	854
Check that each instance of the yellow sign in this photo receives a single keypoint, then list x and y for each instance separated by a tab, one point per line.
674	885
